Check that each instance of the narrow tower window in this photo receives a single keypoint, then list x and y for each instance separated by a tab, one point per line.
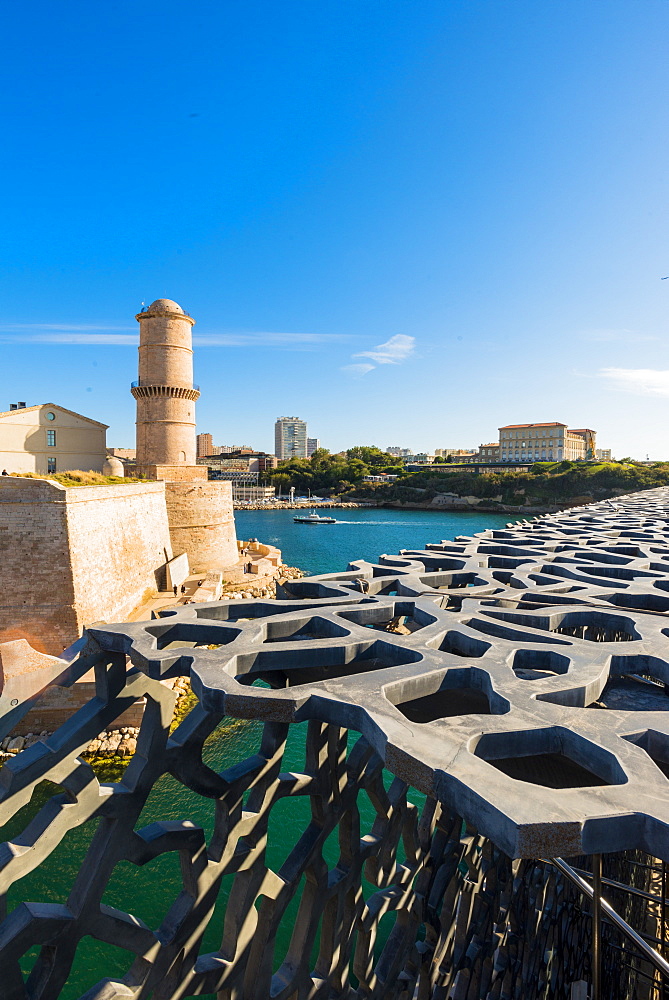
51	440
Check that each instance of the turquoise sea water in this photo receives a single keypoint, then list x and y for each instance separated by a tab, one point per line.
147	892
360	533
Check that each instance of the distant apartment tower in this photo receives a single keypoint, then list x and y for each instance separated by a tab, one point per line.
549	442
290	438
205	445
603	454
398	452
313	444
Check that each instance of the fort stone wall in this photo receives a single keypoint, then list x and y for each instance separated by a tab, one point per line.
119	544
72	556
37	600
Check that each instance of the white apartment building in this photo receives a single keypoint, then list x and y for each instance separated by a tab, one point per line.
603	454
290	438
547	442
313	444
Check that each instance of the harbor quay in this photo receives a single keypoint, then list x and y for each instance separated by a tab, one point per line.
453	781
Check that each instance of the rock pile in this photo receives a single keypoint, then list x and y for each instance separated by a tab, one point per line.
265	588
114	743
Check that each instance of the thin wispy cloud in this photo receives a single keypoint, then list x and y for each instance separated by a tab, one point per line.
67	327
393	352
357	370
85	335
641	381
620	336
72	337
268	339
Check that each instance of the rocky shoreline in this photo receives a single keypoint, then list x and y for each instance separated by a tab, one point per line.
305	505
483	508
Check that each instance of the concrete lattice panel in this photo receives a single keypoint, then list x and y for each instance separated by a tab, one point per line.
525	697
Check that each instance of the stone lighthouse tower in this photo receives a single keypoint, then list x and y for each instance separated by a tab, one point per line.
199	512
165	393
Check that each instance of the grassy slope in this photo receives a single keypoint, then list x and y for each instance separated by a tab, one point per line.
75	477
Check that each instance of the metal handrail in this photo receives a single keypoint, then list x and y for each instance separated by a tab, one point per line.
136	385
611	915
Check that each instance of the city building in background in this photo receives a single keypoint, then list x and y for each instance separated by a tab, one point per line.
603	454
239	461
445	452
489	452
290	438
397	452
589	438
250	493
313	444
47	438
205	445
227	449
545	442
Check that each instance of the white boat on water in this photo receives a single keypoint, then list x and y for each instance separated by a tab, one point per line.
314	518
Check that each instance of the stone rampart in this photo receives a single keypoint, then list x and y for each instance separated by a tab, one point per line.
74	556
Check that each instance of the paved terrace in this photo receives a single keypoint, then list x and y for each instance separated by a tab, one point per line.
525	698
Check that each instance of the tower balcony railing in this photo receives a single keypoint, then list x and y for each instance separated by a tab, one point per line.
143	382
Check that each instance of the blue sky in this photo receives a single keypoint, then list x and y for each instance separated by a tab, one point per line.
405	221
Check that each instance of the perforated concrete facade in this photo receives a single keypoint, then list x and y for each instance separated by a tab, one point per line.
516	678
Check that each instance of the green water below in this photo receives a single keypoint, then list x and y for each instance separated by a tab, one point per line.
148	891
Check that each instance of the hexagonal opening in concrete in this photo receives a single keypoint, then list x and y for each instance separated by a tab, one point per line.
636	684
401	617
453	581
655	744
460	644
639	602
458	691
593	626
498	628
535	664
190	634
303	629
233	611
319	663
553	758
434	564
